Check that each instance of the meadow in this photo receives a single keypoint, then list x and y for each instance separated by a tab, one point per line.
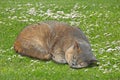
99	20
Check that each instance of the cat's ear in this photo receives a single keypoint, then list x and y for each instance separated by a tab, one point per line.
76	45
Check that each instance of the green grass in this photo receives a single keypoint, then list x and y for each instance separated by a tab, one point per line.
99	19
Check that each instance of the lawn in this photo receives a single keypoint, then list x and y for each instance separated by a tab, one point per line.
99	20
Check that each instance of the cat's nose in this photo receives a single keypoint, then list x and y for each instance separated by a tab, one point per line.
93	62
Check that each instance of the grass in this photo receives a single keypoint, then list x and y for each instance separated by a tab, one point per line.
99	19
